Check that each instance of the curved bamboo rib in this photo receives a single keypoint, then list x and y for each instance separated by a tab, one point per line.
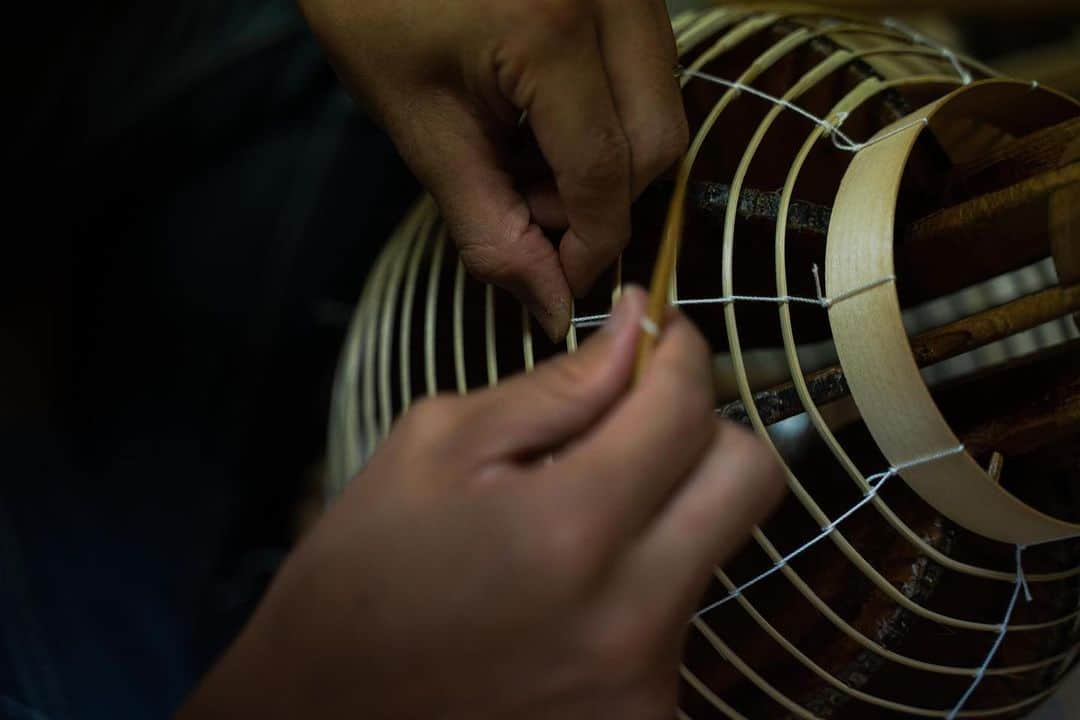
526	339
706	692
379	280
791	706
489	336
387	311
405	329
349	444
459	328
430	305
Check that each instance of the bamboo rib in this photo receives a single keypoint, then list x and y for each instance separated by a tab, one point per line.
791	706
380	279
489	336
856	693
405	330
387	312
459	328
707	25
348	444
526	339
818	14
706	692
430	305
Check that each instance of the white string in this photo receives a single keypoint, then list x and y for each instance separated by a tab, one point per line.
875	481
1021	583
919	38
840	140
820	300
649	327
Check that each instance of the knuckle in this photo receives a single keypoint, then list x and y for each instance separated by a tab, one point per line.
569	378
489	264
761	468
507	256
566	552
432	419
605	167
690	374
661	145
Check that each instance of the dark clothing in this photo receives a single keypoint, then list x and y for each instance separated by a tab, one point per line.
198	205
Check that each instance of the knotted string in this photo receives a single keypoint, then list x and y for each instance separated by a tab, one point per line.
1021	583
839	138
920	39
820	300
875	481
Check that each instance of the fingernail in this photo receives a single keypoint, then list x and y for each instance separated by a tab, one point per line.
555	320
626	311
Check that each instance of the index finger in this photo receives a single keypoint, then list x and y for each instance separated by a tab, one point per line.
572	113
625	469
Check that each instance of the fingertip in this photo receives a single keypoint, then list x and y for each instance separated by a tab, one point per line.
756	465
554	316
628	311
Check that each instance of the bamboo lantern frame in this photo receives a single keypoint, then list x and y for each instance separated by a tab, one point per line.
408	280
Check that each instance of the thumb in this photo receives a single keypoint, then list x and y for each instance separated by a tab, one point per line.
533	414
488	218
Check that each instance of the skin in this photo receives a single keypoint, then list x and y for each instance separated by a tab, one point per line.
531	551
450	80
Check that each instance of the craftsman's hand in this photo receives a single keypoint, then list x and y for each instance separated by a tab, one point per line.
450	80
530	551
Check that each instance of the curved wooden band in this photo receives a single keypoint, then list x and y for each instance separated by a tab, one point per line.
873	346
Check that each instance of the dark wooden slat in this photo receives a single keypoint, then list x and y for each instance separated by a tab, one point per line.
828	384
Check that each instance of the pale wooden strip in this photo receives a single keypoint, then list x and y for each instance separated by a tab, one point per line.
489	336
431	220
459	329
526	339
430	315
795	366
387	310
706	692
884	379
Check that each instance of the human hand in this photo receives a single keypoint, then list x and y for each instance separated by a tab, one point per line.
450	80
531	551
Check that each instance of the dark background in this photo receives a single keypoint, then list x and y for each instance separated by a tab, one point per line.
193	207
